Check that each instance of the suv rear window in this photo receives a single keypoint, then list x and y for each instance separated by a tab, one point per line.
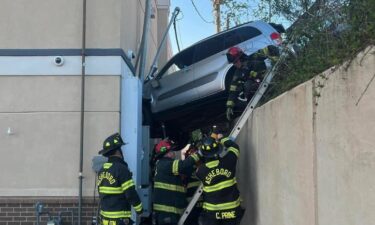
224	41
208	48
246	33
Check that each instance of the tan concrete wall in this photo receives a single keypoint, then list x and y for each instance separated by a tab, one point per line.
345	144
308	156
42	112
276	164
43	24
58	24
42	154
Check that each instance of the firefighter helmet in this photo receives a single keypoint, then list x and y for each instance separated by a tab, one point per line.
234	54
163	147
210	147
111	143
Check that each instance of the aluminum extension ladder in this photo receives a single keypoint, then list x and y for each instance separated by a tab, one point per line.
239	125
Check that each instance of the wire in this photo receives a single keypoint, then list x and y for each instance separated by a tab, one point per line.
200	15
179	35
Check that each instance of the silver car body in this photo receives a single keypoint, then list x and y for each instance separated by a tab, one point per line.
205	76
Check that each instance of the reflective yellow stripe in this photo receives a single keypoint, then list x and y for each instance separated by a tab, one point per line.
110	190
138	207
107	165
126	185
234	150
212	164
166	208
175	167
222	206
274	58
230	103
265	51
223	140
193	184
253	74
170	187
116	214
220	186
195	157
105	222
232	88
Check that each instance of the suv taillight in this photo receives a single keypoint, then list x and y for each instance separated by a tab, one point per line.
276	37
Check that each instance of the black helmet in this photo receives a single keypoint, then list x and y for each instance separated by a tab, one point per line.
111	143
210	147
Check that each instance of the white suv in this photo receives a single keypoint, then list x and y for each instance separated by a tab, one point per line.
191	88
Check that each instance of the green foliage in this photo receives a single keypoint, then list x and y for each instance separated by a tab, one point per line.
233	12
332	34
326	32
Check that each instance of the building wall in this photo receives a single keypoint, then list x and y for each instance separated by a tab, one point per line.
42	24
307	157
40	101
21	211
43	115
58	24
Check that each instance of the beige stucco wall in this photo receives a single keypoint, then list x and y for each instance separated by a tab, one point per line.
43	113
58	24
345	144
308	156
43	24
276	164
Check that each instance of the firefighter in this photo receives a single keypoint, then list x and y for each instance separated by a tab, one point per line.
169	191
115	185
192	183
221	198
250	71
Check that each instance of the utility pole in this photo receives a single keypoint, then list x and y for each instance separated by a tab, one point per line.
216	4
145	33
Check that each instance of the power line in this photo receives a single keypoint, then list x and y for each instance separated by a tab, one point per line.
200	15
179	35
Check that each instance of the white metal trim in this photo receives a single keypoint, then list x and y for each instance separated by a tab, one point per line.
44	65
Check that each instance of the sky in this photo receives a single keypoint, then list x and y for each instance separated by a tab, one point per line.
190	26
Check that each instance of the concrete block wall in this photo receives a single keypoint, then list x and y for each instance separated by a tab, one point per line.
308	156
